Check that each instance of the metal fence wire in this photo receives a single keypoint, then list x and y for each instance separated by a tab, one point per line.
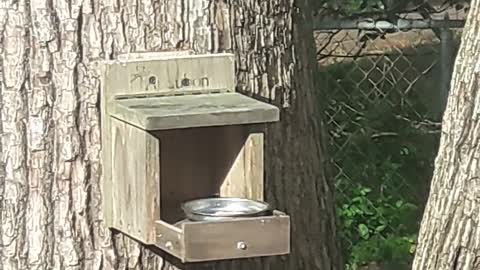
386	91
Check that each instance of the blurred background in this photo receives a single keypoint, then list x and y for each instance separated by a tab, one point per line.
385	71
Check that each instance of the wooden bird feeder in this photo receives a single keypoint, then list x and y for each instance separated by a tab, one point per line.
173	130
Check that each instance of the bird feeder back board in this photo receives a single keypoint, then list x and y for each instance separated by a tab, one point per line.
174	129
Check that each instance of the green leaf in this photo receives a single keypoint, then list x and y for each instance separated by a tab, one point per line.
380	228
357	199
412	249
348	213
363	230
356	210
399	203
365	191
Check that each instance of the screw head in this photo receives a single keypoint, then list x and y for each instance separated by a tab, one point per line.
241	245
152	80
185	82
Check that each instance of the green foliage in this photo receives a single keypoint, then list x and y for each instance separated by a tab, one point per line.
379	228
386	159
363	216
392	252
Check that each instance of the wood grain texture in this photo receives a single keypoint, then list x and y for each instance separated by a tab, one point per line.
246	176
188	111
170	238
122	139
263	236
135	184
166	72
219	240
449	236
50	188
15	181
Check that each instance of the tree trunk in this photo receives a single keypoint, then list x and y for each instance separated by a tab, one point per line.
450	231
50	199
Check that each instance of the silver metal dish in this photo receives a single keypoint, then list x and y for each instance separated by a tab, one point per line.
214	209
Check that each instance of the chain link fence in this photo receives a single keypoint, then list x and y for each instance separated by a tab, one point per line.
386	91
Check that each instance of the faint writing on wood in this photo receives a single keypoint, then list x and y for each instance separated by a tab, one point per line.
137	79
186	82
142	78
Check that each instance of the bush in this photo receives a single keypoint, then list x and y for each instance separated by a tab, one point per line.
376	231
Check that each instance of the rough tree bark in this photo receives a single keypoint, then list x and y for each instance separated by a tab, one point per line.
450	231
50	210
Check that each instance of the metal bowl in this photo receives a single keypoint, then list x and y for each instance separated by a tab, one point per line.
214	209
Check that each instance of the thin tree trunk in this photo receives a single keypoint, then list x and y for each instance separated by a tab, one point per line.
50	210
450	231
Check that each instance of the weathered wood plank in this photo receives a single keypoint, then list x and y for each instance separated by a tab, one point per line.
160	113
148	56
239	238
245	177
135	181
131	169
230	239
170	239
182	72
